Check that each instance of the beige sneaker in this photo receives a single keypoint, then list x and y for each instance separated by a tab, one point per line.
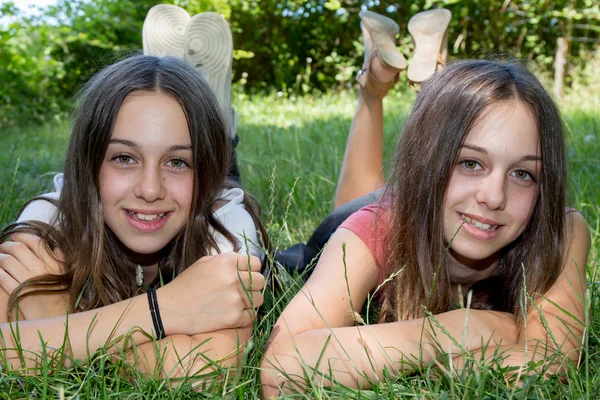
209	47
163	31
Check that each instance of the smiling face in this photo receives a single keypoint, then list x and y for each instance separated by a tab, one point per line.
146	179
493	186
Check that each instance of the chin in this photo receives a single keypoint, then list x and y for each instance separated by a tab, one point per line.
473	252
146	248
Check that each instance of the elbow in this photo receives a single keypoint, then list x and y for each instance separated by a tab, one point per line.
268	381
34	363
279	371
541	358
270	373
560	362
202	357
213	355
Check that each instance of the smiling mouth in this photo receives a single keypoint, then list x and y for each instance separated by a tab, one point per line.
479	225
147	217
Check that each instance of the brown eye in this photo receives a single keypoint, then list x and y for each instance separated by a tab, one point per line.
123	159
177	163
471	164
522	175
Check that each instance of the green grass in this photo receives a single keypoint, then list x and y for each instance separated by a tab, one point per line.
290	155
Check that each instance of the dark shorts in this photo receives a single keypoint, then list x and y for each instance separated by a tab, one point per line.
300	255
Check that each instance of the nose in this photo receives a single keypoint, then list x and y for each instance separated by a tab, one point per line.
492	191
149	185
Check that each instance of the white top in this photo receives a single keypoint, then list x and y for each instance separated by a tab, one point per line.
232	215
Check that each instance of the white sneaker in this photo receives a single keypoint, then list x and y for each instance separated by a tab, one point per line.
163	32
208	46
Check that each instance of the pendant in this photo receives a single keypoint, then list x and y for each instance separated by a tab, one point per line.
139	275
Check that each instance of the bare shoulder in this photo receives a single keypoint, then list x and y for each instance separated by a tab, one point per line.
345	274
577	225
346	256
578	242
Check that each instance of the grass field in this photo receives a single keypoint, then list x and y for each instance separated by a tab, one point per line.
290	155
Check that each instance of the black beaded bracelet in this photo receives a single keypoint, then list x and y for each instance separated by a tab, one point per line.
154	311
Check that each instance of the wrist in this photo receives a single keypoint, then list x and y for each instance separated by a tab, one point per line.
168	316
129	319
159	330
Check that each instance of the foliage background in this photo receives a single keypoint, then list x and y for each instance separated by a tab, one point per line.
292	47
286	49
290	155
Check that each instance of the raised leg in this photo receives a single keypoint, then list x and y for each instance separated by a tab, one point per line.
362	168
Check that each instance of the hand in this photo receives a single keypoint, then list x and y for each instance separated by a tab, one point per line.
216	292
485	327
23	258
499	326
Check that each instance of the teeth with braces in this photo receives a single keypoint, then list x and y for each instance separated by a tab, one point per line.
478	225
147	217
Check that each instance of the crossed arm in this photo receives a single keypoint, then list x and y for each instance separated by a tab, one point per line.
315	340
203	329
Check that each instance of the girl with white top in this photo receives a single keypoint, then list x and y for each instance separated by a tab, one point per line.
144	237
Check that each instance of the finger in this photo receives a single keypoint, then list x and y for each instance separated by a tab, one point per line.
31	251
257	299
252	299
33	243
258	281
7	282
251	281
248	263
17	259
247	318
227	257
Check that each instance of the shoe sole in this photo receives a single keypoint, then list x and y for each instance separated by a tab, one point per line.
429	32
163	31
382	29
209	47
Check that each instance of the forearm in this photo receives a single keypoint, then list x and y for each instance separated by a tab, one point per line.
351	356
77	335
523	358
179	356
357	356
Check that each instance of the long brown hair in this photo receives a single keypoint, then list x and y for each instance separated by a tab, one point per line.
446	109
96	269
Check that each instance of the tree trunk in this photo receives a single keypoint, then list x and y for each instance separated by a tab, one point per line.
560	61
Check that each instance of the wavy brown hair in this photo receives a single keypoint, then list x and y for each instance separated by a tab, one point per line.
96	269
446	109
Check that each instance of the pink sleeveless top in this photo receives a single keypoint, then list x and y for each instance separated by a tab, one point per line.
369	223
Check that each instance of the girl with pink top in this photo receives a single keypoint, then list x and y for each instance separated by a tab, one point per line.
471	220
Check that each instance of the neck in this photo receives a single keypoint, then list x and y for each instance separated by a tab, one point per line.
150	272
148	262
466	271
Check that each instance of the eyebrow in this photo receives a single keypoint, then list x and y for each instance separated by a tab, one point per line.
129	143
482	150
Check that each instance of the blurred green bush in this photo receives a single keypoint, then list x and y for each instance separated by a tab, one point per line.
286	46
